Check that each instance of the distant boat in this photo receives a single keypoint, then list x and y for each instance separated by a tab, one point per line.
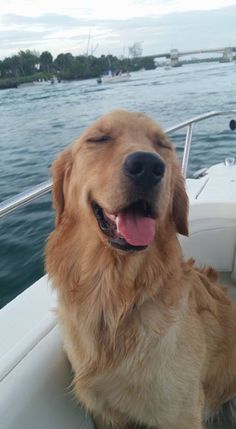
167	65
114	78
53	80
42	82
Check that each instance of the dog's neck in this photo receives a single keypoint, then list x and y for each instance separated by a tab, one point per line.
115	281
108	292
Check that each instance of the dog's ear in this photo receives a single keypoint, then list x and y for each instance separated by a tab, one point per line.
179	202
61	170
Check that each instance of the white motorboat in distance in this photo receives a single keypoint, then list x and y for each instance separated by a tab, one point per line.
114	78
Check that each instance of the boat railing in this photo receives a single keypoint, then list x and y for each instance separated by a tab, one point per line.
20	200
189	133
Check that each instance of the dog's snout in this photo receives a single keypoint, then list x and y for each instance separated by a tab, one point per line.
144	168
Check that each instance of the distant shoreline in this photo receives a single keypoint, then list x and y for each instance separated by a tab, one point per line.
28	67
91	71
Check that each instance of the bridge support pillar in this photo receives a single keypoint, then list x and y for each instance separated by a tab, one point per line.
227	56
174	58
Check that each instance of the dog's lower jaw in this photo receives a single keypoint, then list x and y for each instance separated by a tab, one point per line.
131	229
124	246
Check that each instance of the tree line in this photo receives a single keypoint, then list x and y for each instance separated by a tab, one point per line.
32	65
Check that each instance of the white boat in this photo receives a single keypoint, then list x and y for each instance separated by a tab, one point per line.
54	80
110	78
34	373
167	65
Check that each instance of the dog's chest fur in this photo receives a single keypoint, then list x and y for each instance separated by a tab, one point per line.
151	377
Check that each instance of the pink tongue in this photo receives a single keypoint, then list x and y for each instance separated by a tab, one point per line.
135	229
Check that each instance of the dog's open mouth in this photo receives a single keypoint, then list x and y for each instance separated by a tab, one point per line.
133	228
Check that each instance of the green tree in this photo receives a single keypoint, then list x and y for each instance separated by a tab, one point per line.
28	61
5	67
46	61
11	67
25	66
64	62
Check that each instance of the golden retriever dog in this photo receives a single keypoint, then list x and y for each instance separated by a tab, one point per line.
151	339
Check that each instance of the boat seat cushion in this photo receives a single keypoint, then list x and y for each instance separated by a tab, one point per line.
212	235
36	394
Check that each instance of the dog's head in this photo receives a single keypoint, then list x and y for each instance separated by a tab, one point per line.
123	179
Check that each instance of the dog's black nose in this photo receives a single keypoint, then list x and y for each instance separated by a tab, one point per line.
145	169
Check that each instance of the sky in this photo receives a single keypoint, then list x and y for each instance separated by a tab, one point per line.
103	26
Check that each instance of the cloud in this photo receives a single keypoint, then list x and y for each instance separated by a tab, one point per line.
60	33
50	20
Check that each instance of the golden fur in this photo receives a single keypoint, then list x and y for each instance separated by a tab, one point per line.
151	339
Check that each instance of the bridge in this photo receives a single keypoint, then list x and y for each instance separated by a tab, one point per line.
175	54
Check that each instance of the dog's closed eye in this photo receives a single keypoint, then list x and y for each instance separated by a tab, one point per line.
162	143
98	139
